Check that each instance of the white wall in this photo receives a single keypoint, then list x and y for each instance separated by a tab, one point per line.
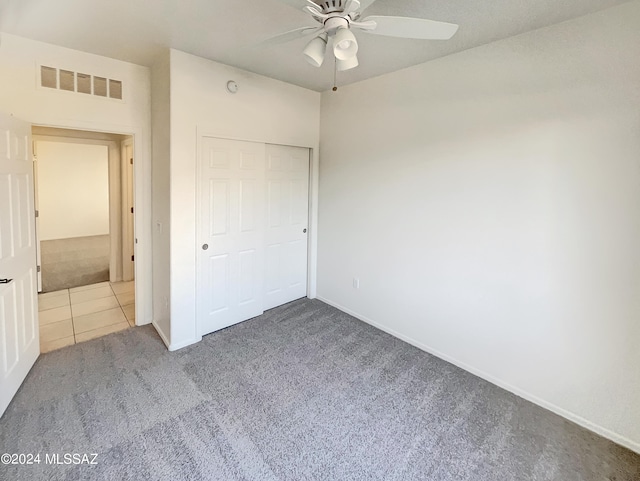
161	125
73	190
264	110
21	96
489	202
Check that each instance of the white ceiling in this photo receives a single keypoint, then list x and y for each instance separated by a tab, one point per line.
230	31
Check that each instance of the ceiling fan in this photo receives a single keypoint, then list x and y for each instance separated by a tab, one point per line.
337	18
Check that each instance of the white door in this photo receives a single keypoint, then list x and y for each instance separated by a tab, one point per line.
286	224
231	233
19	339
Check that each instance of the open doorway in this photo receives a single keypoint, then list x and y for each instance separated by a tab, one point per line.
85	217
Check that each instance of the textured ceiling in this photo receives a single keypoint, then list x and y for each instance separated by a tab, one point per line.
230	31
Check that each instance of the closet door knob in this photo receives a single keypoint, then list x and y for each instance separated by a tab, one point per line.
205	247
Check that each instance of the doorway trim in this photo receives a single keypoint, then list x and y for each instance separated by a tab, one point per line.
127	238
142	196
115	187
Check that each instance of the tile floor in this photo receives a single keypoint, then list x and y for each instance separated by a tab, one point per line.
75	315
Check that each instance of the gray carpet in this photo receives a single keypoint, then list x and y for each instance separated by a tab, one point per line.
74	262
304	392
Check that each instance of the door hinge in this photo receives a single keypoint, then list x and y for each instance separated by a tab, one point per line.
37	213
132	258
131	160
132	210
37	268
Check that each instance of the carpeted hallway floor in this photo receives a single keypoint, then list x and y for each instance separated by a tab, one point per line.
74	262
304	392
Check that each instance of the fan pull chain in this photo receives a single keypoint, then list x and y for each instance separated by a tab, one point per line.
335	73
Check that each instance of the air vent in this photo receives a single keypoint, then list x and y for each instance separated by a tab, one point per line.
60	79
84	83
49	77
115	89
100	86
67	80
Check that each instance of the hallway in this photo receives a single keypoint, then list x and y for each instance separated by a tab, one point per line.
71	316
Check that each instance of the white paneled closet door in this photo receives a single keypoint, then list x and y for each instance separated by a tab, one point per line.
253	221
231	225
287	221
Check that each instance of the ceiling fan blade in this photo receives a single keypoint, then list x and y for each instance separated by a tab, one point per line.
300	3
365	3
316	13
351	6
406	27
291	35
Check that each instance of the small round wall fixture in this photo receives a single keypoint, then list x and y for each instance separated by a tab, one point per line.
232	87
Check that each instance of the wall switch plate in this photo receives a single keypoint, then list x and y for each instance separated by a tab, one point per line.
356	283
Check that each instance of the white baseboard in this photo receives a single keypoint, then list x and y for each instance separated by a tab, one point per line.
161	334
170	346
175	347
585	423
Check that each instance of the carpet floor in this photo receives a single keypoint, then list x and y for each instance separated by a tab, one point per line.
74	262
303	392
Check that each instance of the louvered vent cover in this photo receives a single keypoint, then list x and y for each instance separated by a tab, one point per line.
100	86
53	78
83	83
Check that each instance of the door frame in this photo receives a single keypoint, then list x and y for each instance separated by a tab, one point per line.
142	201
36	206
127	238
312	212
115	187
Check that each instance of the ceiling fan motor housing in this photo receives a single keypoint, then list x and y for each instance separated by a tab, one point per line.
331	6
331	25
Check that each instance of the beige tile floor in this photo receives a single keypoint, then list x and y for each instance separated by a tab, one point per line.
75	315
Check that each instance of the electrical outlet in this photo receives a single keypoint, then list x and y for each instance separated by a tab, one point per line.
356	283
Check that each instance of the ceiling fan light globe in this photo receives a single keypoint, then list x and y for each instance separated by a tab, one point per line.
345	45
348	64
315	50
